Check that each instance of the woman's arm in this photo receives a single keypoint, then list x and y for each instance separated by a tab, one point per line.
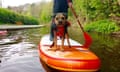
69	3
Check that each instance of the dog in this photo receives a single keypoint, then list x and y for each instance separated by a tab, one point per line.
59	29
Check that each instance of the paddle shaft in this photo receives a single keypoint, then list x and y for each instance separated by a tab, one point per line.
88	39
76	17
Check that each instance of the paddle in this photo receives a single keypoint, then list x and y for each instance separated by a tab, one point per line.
88	39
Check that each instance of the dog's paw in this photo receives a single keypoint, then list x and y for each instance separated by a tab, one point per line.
52	49
69	46
62	49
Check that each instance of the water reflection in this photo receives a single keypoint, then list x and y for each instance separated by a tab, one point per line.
108	49
14	45
48	69
22	55
22	64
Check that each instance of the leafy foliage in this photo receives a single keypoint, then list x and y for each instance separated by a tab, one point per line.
46	13
97	14
103	26
10	17
97	9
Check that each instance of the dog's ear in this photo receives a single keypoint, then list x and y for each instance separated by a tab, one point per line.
53	16
65	14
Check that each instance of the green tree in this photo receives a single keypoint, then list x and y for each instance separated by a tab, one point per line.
97	9
46	12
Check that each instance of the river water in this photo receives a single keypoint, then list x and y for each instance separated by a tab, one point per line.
19	53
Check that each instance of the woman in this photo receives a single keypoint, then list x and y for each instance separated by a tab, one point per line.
61	6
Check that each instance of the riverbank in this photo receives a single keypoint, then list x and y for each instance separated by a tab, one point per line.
12	27
116	34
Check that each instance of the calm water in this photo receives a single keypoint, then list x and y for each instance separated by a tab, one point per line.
21	55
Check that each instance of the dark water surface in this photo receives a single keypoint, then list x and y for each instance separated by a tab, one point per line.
18	52
108	49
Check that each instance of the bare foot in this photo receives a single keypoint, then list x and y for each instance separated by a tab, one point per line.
52	49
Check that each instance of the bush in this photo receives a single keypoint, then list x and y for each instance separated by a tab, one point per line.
103	26
10	17
94	10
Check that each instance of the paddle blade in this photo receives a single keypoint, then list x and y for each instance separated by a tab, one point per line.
88	40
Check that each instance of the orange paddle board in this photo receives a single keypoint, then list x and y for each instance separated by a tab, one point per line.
71	59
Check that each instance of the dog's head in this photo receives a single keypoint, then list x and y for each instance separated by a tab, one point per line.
60	19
